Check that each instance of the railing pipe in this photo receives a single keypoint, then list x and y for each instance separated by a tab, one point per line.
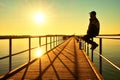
85	46
100	58
39	41
50	42
80	44
53	41
29	49
87	49
56	40
46	43
10	54
92	52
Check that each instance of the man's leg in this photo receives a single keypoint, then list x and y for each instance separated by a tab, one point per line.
94	45
87	39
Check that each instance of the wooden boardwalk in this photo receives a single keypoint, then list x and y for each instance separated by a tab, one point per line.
65	62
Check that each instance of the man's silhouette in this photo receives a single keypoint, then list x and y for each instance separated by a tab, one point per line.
93	30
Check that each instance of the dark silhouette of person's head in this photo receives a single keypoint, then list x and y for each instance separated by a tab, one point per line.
92	14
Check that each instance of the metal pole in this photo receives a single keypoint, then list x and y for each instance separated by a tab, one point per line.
10	54
50	43
40	58
100	58
29	49
56	40
92	52
85	46
46	43
53	41
87	49
80	44
39	41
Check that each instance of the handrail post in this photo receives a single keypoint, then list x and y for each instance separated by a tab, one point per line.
39	41
100	58
50	42
92	52
29	49
56	40
87	49
80	44
53	41
85	46
10	54
46	43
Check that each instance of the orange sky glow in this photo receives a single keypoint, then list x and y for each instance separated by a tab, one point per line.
17	17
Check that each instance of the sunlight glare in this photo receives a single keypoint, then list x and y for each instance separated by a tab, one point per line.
39	52
39	18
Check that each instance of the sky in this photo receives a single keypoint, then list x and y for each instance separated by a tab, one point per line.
60	16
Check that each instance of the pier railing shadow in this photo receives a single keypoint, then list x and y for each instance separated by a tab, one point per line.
60	52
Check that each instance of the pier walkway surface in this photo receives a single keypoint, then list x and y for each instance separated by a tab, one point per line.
65	62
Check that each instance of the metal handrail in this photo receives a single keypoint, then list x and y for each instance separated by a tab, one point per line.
108	37
100	37
107	60
53	41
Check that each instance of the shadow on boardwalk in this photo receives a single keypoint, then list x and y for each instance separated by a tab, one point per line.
66	62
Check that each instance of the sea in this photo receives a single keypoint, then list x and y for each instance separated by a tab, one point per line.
110	50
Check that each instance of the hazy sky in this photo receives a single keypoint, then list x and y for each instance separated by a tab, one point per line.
61	16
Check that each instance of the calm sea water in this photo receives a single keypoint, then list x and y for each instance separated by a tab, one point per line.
111	50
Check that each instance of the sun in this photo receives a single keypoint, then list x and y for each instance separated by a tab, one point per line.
39	18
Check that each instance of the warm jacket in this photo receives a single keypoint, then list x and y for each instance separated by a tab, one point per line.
93	28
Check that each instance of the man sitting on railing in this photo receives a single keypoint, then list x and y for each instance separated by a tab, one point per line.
93	30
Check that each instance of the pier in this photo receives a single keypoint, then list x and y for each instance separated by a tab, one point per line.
67	59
